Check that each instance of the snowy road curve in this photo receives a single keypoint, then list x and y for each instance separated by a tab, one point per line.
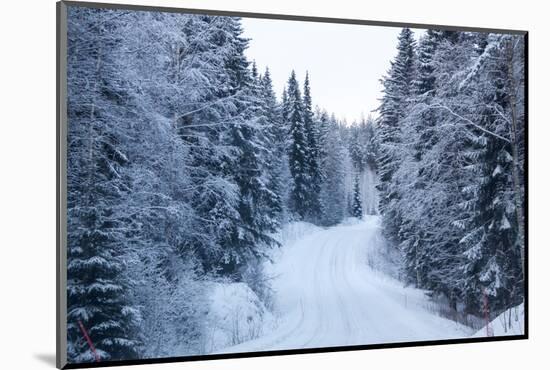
327	295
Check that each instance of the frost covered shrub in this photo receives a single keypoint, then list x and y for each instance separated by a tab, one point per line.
255	276
235	315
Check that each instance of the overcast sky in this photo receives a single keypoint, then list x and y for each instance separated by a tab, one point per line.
345	62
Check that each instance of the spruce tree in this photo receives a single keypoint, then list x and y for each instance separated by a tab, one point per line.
323	128
398	86
371	148
98	187
424	90
275	154
357	209
312	154
251	231
419	134
493	238
298	150
356	147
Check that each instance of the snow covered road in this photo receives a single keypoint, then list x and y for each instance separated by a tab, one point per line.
327	295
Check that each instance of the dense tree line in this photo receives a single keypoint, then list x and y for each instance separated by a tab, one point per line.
182	163
451	159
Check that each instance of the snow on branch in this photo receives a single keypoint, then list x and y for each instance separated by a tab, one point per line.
468	121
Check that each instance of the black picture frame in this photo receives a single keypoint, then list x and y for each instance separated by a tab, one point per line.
61	185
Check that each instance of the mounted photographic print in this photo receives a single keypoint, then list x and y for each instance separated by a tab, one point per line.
235	184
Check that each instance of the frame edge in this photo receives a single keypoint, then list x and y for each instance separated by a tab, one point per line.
61	185
287	17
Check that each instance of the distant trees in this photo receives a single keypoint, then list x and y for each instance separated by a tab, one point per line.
357	209
333	193
449	130
319	149
307	145
362	148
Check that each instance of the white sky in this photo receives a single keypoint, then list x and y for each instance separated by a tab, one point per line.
345	62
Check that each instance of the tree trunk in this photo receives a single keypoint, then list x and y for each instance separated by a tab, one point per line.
91	134
512	100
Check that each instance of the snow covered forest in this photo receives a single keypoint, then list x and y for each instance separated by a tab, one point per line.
451	165
199	198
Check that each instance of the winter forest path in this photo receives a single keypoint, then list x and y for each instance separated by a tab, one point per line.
330	291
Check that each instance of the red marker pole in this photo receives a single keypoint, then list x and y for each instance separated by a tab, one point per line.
85	333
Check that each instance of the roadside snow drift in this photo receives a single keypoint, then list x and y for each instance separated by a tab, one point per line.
510	322
236	315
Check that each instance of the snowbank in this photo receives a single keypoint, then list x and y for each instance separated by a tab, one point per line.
510	322
235	315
